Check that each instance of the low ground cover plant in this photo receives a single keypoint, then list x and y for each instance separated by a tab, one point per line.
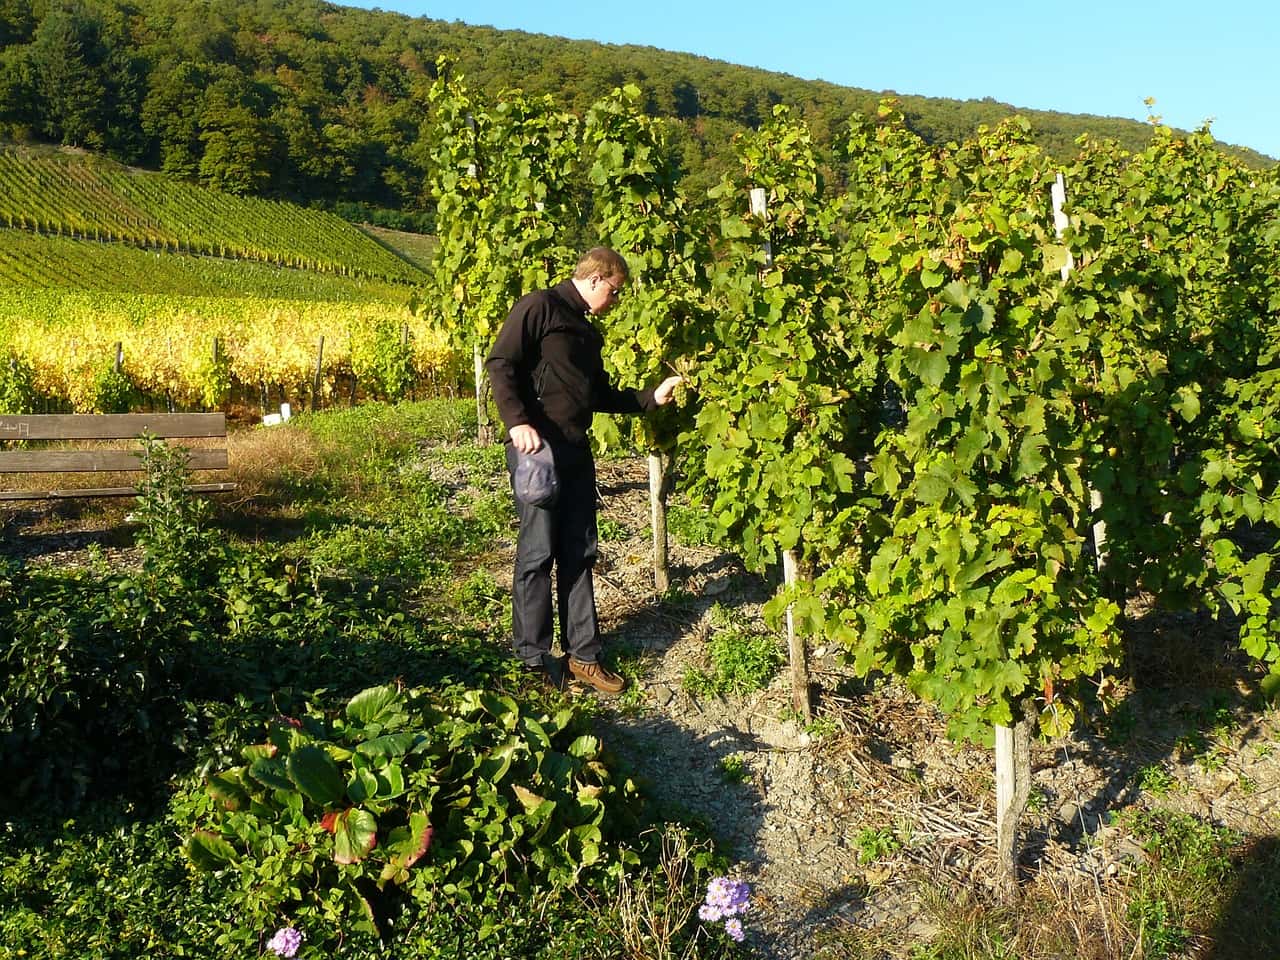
190	712
739	661
406	799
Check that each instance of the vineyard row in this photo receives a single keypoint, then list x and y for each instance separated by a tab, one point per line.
196	352
73	197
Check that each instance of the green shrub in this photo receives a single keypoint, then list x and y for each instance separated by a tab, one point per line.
99	667
733	768
105	886
875	843
339	822
1186	881
112	392
384	362
690	526
174	525
480	598
213	375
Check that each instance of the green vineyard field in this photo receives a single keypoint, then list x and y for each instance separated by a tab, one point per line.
37	261
95	199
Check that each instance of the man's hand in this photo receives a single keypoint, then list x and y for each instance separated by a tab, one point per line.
525	438
665	389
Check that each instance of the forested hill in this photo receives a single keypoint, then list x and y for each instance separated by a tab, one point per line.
317	102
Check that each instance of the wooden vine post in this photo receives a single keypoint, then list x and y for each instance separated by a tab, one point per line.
315	379
796	650
484	429
1013	744
1058	197
1013	787
658	489
484	434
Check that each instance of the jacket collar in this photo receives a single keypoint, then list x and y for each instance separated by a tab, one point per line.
570	295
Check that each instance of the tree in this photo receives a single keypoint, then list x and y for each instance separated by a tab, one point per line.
241	148
67	59
18	111
17	22
171	117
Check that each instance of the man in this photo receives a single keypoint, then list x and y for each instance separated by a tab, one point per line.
548	379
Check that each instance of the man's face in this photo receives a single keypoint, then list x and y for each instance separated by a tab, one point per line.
602	293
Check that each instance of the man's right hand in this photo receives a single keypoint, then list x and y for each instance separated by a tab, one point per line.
525	438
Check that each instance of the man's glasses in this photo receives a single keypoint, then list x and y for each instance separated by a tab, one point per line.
614	292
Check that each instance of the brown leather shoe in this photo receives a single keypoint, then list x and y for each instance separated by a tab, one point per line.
597	675
551	672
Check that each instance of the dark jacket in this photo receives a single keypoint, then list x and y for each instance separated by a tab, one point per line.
546	368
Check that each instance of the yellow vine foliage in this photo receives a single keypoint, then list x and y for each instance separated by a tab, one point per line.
70	337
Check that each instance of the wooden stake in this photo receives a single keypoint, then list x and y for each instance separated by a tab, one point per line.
1099	530
484	431
1013	787
658	517
760	208
1058	197
315	379
795	644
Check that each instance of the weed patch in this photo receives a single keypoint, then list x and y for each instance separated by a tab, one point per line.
739	661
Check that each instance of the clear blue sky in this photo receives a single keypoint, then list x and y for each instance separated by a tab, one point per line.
1205	60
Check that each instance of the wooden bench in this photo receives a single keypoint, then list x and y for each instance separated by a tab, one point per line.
103	427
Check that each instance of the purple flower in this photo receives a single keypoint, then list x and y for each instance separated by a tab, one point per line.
726	900
729	897
286	942
733	927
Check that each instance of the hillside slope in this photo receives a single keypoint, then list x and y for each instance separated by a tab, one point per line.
91	198
318	102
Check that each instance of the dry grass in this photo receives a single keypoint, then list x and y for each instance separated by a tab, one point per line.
649	912
266	461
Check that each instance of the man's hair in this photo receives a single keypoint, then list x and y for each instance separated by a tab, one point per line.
603	262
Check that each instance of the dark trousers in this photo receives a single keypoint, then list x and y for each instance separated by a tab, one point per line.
563	536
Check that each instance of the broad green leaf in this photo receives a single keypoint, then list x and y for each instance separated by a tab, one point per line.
1187	404
316	774
1253	575
271	772
363	785
931	366
208	851
879	253
388	745
375	705
355	834
528	799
